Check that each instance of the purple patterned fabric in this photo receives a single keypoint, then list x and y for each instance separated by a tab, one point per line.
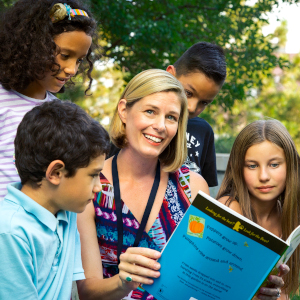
175	203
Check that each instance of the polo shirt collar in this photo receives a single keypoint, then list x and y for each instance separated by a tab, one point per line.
42	214
62	216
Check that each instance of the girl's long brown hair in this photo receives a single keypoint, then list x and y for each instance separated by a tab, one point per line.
234	185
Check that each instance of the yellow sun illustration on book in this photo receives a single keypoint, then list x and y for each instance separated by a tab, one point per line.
230	269
246	244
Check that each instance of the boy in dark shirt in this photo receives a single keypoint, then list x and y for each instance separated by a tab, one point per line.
202	72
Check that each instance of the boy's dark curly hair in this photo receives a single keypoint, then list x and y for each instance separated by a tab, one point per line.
57	130
27	47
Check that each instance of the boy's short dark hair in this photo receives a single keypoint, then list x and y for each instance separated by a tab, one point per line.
203	57
57	130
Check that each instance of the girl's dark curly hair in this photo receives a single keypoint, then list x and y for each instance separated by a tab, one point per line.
27	47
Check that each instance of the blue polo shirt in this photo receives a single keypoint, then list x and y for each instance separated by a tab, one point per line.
39	253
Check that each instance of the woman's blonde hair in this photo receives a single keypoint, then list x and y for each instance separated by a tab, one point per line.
144	84
234	185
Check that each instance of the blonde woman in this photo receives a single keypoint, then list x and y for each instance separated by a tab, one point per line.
146	190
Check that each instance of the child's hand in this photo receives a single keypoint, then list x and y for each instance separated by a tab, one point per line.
273	290
137	264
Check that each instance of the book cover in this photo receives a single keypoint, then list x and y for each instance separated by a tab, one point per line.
215	253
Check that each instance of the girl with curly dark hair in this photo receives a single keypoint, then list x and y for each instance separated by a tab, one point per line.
43	44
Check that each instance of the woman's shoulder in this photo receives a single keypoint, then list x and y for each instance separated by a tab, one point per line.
197	182
233	204
106	173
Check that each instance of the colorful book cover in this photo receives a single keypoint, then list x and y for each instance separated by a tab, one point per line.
215	254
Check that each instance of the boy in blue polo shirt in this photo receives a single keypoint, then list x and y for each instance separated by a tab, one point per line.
60	152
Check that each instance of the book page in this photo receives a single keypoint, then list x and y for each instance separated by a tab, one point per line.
293	241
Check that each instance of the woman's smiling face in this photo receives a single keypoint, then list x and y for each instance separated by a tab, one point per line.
151	123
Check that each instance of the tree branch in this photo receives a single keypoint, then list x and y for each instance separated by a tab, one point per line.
186	6
197	6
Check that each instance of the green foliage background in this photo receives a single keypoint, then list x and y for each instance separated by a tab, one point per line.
140	35
278	97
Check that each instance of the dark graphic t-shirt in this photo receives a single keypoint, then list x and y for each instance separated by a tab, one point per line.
201	150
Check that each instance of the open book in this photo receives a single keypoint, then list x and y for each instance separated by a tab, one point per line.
217	254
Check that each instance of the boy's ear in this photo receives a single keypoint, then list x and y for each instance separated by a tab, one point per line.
122	110
171	69
55	171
